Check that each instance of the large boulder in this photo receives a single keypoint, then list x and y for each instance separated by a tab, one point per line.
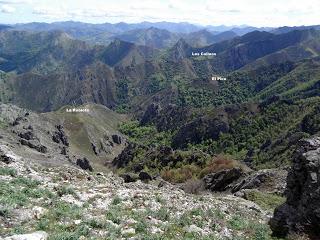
222	180
301	211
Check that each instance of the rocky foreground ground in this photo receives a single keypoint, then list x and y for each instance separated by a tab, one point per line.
68	203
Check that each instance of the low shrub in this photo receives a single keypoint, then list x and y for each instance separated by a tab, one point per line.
218	163
181	174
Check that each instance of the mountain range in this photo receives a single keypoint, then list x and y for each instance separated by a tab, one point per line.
195	106
56	58
158	34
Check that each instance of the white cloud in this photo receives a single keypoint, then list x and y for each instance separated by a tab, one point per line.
7	9
50	12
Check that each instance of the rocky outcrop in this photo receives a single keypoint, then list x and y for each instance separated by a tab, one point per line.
107	144
59	136
84	164
301	211
221	180
34	145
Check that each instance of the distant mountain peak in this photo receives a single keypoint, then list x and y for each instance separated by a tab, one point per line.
180	50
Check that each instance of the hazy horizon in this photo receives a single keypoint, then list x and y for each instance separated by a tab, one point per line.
255	13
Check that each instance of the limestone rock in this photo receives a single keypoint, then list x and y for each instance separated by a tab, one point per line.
32	236
301	211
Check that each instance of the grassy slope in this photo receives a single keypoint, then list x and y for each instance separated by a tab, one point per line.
84	128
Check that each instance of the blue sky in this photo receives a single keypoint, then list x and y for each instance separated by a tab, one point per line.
205	12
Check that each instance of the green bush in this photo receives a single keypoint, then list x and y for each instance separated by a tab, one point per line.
8	171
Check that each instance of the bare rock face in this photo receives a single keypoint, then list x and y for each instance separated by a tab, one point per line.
301	211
